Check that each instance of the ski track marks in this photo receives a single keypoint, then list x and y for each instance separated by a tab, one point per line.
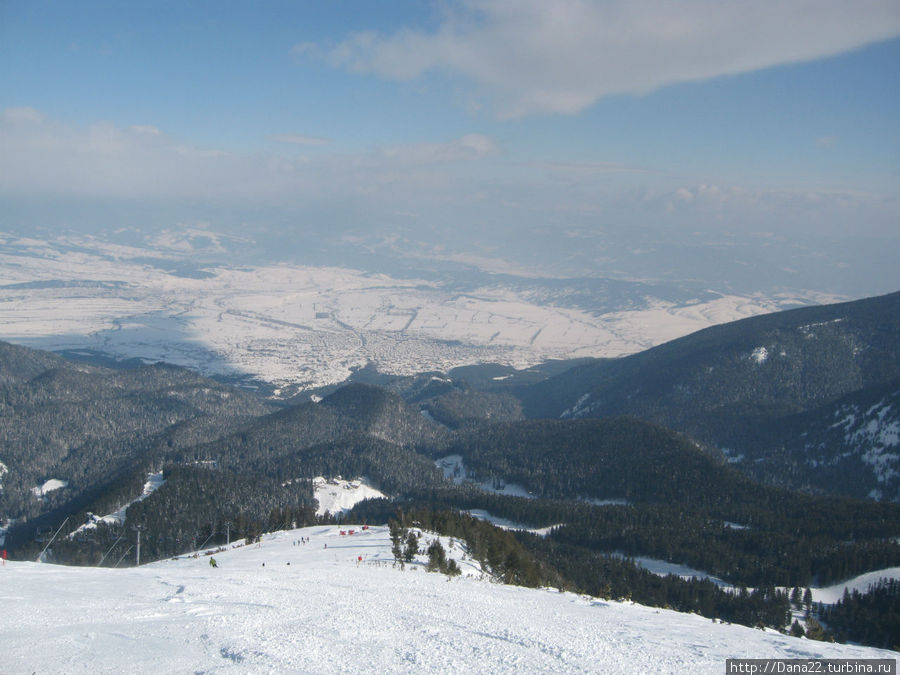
325	613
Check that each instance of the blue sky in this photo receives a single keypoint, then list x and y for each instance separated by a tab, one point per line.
454	117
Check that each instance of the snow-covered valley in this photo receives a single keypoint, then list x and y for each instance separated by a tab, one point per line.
309	326
284	606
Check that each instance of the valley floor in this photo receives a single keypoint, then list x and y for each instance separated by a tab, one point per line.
300	326
286	607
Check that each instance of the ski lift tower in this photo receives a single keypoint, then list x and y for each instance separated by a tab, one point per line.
137	555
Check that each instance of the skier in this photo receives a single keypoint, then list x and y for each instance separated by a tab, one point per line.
212	562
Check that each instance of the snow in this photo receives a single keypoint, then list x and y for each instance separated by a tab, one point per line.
605	502
506	524
808	328
732	456
325	613
306	326
759	355
580	407
831	594
847	421
3	471
454	469
825	595
154	482
49	486
876	435
336	495
662	568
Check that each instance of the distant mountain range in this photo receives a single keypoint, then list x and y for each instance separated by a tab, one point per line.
681	453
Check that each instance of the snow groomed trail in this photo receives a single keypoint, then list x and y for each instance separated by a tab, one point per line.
286	607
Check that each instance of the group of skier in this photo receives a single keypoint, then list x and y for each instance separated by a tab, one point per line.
297	542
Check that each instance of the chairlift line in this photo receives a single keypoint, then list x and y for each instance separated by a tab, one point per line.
123	556
111	548
51	539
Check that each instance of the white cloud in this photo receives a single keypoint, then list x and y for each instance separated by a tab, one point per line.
560	56
590	169
42	156
470	146
22	115
742	208
146	129
300	139
448	191
45	157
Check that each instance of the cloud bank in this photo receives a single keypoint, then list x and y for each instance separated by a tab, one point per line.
45	157
300	139
528	57
449	193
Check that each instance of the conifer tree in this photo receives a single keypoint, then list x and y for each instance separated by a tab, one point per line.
437	557
412	547
396	540
807	599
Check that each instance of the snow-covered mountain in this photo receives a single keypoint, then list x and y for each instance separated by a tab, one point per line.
196	299
858	436
286	606
806	398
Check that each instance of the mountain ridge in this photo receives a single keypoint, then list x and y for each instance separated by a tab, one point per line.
722	384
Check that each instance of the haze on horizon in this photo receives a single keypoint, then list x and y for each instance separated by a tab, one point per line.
748	146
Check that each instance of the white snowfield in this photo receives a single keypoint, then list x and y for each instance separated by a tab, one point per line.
153	483
306	326
336	495
832	594
286	607
48	486
454	469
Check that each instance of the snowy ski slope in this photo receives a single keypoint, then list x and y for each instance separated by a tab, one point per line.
285	607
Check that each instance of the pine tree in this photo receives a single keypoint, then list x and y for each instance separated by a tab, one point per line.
453	569
815	631
396	540
437	557
412	547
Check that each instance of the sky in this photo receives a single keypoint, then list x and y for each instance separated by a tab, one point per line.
460	128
